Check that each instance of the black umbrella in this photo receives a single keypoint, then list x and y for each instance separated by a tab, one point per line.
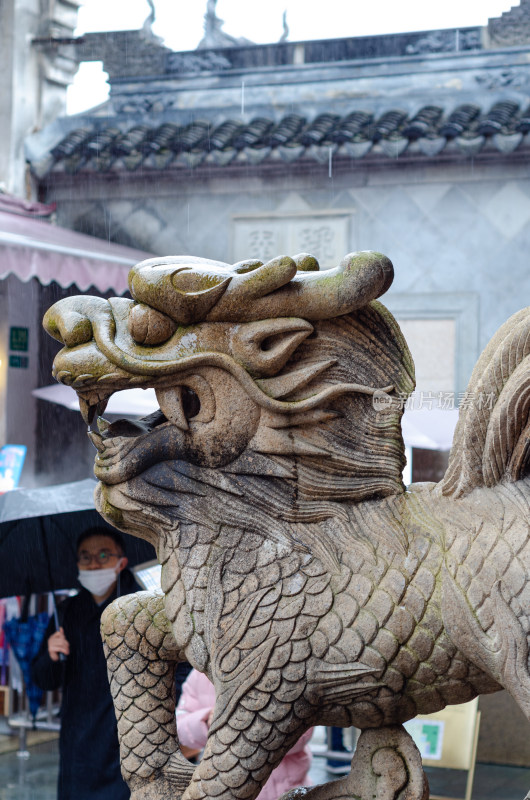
38	534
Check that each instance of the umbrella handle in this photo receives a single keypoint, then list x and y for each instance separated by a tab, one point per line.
62	656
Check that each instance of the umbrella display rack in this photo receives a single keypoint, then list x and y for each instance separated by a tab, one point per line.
4	701
45	720
15	705
6	689
21	721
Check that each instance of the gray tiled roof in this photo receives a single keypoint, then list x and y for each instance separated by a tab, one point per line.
464	130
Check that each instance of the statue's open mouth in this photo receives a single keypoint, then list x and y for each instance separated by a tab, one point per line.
128	428
93	403
125	446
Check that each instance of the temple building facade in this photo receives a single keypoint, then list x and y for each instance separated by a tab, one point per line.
413	144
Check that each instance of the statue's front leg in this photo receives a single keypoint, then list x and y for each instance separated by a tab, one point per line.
386	765
240	754
141	659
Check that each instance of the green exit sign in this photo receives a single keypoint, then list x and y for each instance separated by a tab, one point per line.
19	362
18	339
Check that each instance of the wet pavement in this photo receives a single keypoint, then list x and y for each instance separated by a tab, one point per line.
492	782
35	777
32	778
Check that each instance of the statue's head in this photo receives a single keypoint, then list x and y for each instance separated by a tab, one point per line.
269	372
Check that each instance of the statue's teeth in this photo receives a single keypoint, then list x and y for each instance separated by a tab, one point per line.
96	440
87	410
170	401
64	376
101	406
102	424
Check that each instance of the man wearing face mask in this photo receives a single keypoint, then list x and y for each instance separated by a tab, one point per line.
72	658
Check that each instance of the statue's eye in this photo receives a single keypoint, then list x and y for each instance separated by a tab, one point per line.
191	405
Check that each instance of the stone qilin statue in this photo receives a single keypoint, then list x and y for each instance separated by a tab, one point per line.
297	572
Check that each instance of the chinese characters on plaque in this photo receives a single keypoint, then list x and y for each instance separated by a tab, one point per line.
324	236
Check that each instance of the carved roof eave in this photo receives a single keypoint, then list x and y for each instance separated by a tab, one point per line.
412	157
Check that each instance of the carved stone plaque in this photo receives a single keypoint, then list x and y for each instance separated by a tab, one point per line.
323	235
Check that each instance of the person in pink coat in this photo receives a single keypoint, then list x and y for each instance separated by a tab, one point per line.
194	713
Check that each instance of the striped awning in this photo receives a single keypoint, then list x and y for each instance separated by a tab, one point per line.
32	248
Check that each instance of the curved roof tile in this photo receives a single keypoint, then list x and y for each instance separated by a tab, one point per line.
427	132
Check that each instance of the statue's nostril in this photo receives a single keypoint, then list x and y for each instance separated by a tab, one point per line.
67	326
75	329
50	323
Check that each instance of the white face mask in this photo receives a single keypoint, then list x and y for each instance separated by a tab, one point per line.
98	581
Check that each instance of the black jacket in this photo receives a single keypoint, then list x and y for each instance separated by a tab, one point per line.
89	753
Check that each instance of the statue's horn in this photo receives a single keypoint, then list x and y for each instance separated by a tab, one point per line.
183	287
190	289
359	278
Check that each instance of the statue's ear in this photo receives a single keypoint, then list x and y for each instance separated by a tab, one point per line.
263	347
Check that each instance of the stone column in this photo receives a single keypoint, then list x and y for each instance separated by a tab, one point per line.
37	63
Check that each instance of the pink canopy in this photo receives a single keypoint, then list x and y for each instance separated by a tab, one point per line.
31	248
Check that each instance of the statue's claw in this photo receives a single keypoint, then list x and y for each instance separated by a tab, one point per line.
171	782
179	771
386	765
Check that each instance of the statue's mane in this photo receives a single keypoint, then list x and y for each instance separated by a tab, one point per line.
359	453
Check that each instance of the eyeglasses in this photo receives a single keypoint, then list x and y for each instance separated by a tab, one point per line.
102	557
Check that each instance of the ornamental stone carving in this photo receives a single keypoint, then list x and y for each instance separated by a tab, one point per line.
297	572
512	28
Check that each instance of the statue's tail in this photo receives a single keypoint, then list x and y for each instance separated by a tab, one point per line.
492	438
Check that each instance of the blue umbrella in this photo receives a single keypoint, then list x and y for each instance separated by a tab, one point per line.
25	637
